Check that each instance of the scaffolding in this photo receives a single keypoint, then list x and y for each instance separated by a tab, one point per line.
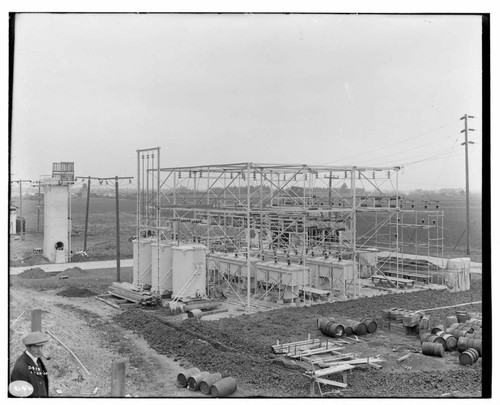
272	214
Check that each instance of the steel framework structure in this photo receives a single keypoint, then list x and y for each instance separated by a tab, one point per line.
270	211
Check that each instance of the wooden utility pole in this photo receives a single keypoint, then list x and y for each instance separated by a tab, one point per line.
466	143
116	178
38	184
117	231
86	216
21	203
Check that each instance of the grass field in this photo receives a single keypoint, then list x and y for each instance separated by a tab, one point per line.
101	238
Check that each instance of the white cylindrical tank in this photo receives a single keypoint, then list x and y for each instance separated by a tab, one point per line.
189	276
142	262
161	267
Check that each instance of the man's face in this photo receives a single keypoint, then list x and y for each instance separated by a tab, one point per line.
35	350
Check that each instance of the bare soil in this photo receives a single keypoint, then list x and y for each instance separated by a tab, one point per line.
157	345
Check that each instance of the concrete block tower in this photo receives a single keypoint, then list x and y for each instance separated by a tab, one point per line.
57	212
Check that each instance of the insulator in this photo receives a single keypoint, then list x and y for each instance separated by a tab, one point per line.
433	221
345	174
317	174
373	174
130	181
231	175
284	177
425	206
200	173
388	174
254	175
180	175
190	174
437	206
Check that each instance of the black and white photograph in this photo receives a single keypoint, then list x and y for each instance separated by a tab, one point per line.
248	204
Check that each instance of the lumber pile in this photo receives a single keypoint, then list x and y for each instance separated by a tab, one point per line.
133	293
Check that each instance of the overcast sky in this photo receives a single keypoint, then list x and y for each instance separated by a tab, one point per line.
377	90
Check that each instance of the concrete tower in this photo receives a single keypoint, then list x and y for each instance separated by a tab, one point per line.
57	213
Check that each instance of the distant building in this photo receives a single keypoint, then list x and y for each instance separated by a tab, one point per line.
12	220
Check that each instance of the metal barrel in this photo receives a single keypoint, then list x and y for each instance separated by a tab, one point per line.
450	320
424	336
461	316
468	357
194	380
450	340
182	378
359	328
332	329
465	343
432	349
438	328
322	322
348	330
223	387
436	339
370	324
207	382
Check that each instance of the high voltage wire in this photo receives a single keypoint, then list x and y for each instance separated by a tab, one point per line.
394	143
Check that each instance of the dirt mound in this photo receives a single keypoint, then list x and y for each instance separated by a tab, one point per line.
35	272
73	272
76	292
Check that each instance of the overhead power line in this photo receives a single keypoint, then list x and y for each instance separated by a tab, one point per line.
393	143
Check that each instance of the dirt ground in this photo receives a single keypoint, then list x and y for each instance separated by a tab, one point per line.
157	345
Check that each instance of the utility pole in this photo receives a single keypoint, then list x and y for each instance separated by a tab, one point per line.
21	203
116	178
86	217
466	143
38	184
330	178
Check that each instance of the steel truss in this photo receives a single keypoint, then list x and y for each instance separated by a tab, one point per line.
270	212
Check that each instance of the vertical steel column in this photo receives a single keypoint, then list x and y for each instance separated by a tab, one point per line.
174	210
397	227
248	237
208	209
353	230
158	218
139	209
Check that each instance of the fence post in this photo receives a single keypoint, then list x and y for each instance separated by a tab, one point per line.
36	320
118	379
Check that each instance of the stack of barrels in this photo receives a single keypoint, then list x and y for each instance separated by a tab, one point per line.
460	332
468	331
331	327
432	345
208	383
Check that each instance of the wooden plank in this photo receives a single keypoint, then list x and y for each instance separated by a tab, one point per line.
404	357
310	353
330	382
128	295
333	370
106	301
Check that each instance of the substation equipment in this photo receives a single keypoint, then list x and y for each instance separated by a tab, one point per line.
57	212
275	231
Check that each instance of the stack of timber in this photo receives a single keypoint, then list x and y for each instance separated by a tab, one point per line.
133	294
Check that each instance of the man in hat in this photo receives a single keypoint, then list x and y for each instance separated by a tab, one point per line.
29	366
